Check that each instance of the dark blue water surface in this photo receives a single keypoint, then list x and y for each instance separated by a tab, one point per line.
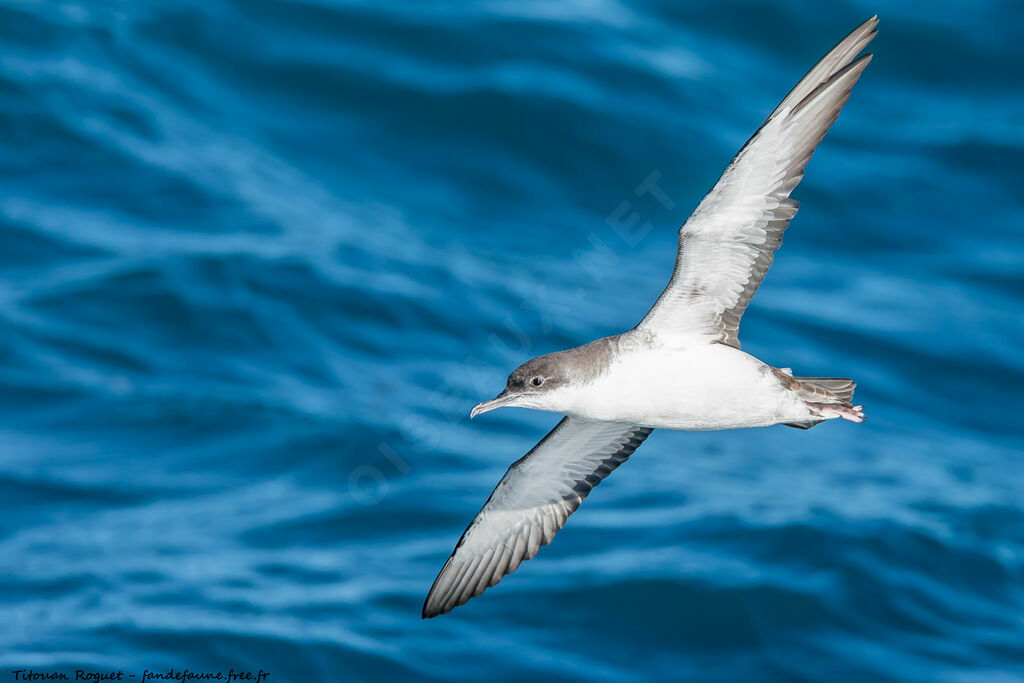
259	258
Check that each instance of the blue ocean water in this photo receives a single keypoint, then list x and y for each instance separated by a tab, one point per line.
259	258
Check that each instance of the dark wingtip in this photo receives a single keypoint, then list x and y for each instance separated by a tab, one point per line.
429	611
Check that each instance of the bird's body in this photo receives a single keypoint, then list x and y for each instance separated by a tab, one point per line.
669	384
681	367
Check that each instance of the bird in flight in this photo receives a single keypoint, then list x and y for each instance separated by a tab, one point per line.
681	367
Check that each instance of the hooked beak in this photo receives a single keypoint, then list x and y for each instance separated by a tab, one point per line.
503	399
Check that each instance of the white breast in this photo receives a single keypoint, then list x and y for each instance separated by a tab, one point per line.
707	386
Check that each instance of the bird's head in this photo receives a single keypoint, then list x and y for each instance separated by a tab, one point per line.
537	384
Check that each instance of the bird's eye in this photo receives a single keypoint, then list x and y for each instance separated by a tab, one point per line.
537	381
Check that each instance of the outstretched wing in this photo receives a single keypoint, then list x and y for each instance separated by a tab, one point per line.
530	504
729	242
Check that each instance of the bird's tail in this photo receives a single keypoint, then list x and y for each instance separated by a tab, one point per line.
828	397
826	389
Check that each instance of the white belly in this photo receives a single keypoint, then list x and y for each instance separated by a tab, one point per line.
705	387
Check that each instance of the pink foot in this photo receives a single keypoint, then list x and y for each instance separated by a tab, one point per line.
828	410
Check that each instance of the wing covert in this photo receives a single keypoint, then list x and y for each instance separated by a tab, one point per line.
729	242
530	504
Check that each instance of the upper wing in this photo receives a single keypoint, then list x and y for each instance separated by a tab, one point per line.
728	243
530	504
